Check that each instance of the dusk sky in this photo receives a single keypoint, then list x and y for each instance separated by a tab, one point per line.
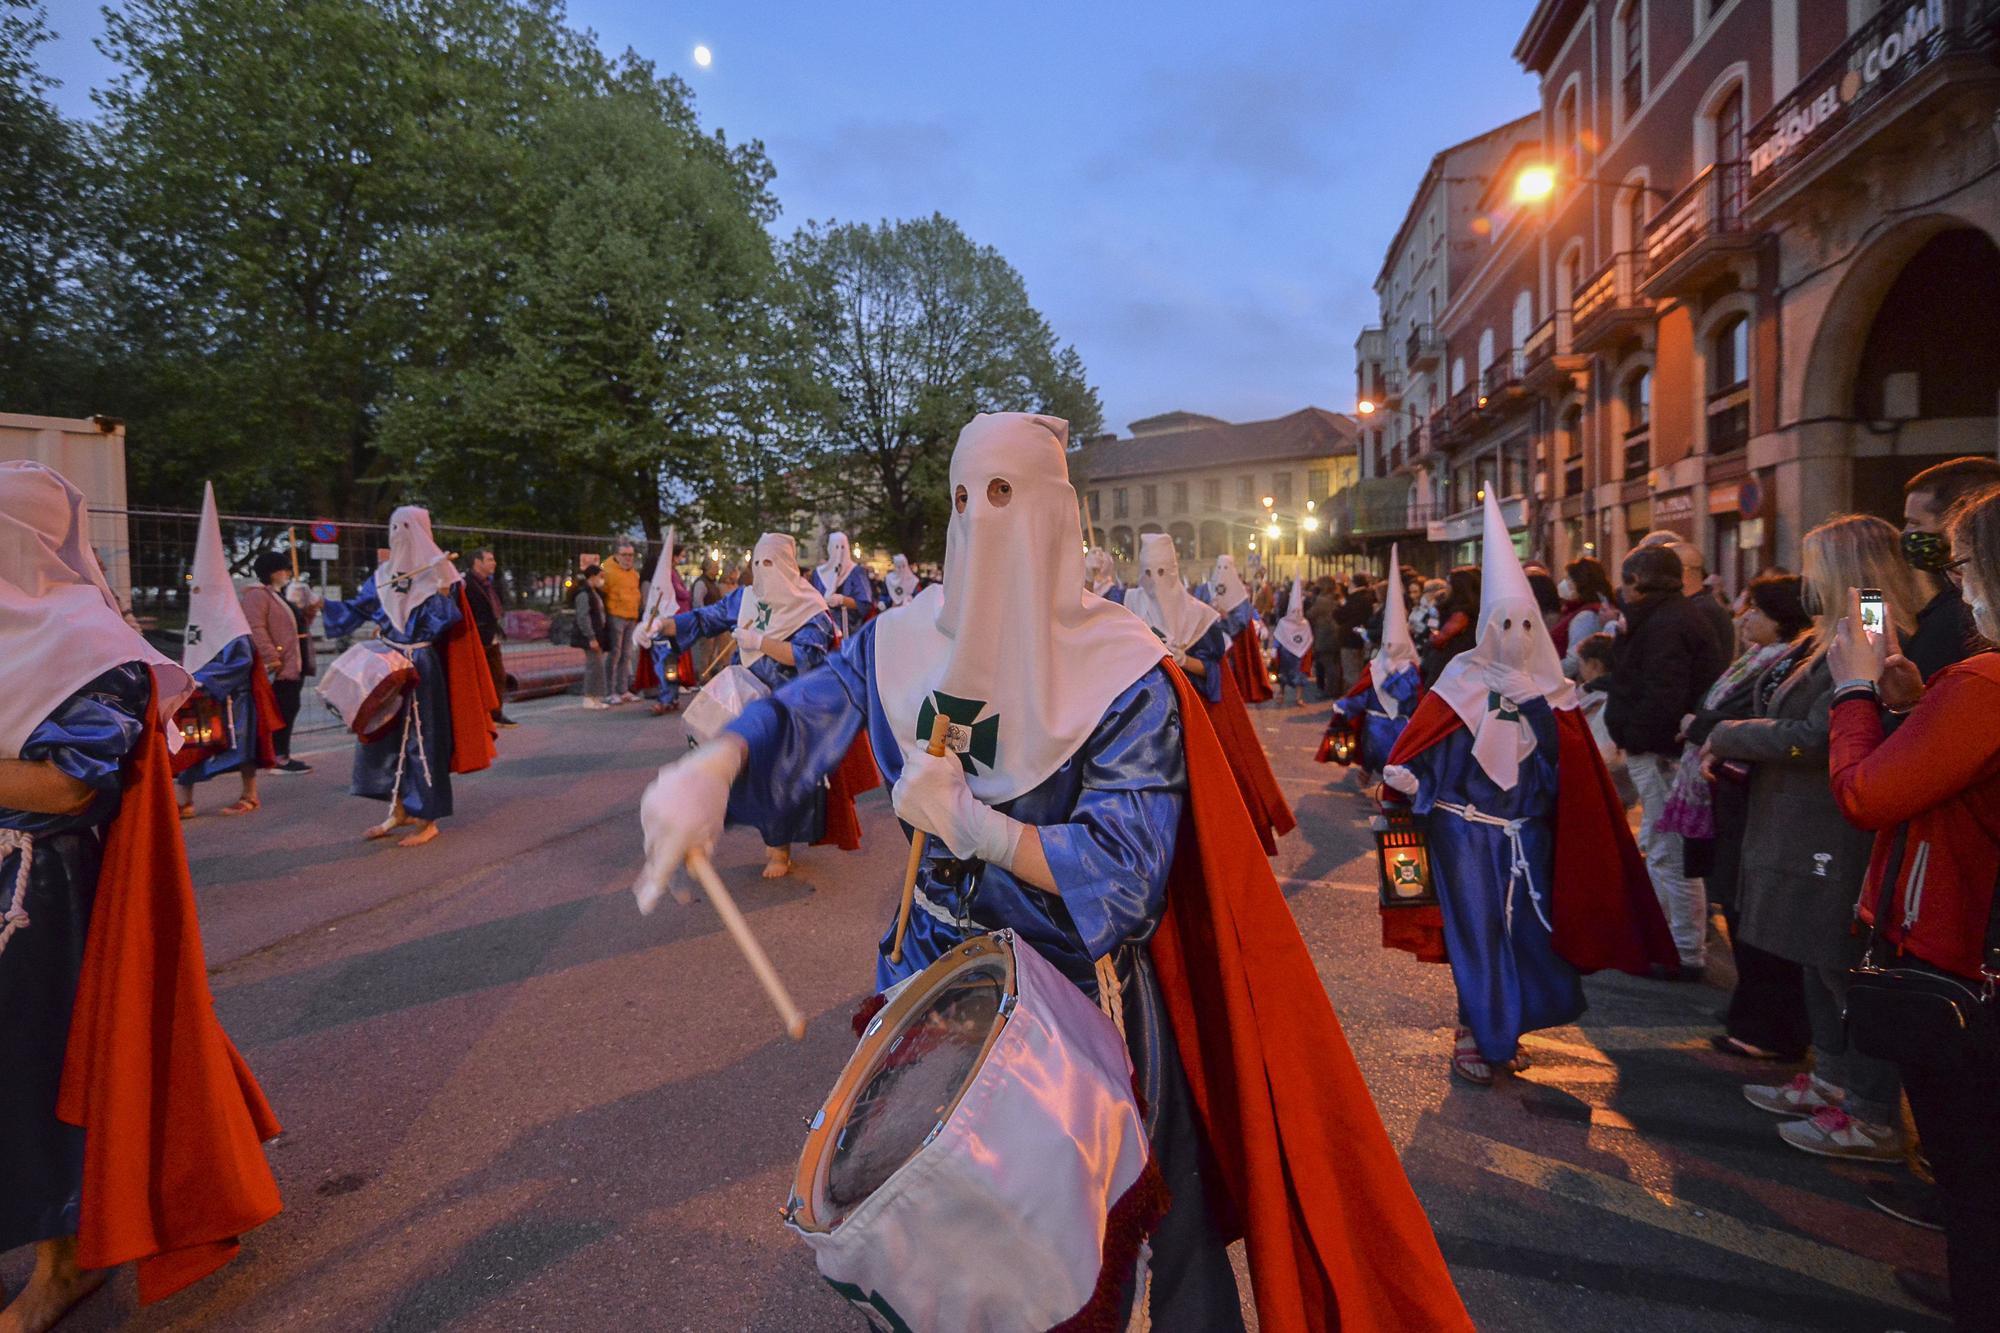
1198	195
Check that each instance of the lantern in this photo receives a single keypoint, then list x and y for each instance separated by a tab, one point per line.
1405	859
203	724
1343	744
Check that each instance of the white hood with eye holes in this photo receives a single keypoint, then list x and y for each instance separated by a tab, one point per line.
1513	661
1162	599
1011	647
779	599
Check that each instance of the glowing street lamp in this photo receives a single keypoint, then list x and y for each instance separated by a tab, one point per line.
1534	184
1268	502
1273	532
1366	407
1309	523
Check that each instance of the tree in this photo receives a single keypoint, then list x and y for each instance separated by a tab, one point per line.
913	329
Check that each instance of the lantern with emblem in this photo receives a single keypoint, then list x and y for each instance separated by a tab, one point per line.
1405	857
203	723
1342	743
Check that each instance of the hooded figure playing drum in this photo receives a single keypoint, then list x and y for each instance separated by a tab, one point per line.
1085	804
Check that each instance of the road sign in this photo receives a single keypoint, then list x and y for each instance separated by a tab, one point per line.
1749	498
324	530
325	551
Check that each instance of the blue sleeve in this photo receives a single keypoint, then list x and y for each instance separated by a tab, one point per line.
1209	650
1236	621
228	671
811	642
437	614
339	619
707	621
855	585
1115	593
801	733
90	735
812	577
1111	856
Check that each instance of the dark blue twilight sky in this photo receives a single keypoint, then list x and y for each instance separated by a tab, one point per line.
1198	194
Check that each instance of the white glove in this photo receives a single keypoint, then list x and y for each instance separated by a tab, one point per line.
1398	778
749	640
1513	684
682	811
932	796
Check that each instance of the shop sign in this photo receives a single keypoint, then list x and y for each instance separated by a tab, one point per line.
1672	509
1811	113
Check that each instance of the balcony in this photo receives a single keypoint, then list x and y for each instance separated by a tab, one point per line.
1903	57
1702	233
1504	383
1416	444
1609	306
1424	350
1638	453
1386	389
1441	429
1462	408
1549	356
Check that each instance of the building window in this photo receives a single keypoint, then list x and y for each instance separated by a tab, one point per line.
1729	386
1211	493
1729	127
1149	500
1281	488
1632	78
1636	204
1569	142
1119	508
1246	491
1638	399
1572	451
1317	478
1094	515
1180	497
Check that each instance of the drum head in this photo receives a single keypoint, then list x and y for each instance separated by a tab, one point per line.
904	1080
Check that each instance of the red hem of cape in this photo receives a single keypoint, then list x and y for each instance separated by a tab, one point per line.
469	689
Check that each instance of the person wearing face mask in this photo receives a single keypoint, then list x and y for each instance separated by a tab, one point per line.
1086	805
1944	632
1536	873
416	601
1193	634
844	584
1588	605
1930	793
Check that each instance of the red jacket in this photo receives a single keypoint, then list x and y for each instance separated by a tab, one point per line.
1939	774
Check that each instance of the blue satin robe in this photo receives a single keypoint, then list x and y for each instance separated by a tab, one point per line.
1503	962
1235	621
41	1159
1108	816
1379	732
426	754
803	821
1289	672
663	652
1115	593
856	585
226	679
1209	650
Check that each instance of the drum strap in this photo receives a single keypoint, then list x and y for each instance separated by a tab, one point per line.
1111	994
16	916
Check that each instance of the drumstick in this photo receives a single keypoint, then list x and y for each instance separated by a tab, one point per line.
940	726
728	655
703	870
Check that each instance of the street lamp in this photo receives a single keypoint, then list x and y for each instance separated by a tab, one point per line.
1268	502
1274	531
1309	523
1366	407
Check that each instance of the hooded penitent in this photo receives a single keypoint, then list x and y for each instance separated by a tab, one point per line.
417	567
902	582
660	594
1100	571
1225	587
1162	599
1294	633
58	619
1398	651
1514	660
1012	646
779	599
839	562
215	616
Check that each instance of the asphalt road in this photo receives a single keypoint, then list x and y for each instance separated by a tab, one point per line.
510	1102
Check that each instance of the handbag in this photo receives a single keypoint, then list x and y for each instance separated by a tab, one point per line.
1917	1014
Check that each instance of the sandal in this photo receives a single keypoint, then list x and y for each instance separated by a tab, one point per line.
1467	1063
187	811
243	806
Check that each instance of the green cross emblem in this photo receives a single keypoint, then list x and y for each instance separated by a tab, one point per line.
1405	872
973	739
763	621
1500	704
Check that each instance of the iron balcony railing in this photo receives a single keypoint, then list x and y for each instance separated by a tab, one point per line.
1505	373
1712	205
1550	339
1611	288
1423	347
1883	54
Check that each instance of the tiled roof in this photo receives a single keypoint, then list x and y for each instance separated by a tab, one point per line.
1310	432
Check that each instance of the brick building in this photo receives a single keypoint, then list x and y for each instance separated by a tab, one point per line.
1765	288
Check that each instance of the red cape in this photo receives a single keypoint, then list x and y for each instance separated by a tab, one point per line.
1602	903
1270	814
1246	663
469	686
645	680
1335	1235
857	773
173	1160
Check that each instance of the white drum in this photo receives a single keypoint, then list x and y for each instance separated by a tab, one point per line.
722	701
960	1177
364	687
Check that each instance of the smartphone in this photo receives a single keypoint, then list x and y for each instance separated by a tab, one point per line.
1874	613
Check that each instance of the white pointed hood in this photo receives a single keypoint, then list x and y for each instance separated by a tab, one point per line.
60	627
1294	633
417	568
1225	586
1011	647
660	599
1162	599
901	582
839	562
215	616
779	599
1513	661
1100	571
1398	651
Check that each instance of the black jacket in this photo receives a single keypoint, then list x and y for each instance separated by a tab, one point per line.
1666	660
1944	633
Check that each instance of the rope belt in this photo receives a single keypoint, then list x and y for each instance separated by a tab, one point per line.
411	719
1519	869
16	916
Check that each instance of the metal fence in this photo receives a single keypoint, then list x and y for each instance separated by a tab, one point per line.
148	555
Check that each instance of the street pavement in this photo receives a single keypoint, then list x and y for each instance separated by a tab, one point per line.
511	1102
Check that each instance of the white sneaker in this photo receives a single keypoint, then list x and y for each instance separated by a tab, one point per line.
595	705
1805	1095
612	700
628	698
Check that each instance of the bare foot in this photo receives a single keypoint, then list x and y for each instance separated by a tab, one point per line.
187	811
54	1289
777	862
421	836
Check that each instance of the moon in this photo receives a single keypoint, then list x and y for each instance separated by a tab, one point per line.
703	56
